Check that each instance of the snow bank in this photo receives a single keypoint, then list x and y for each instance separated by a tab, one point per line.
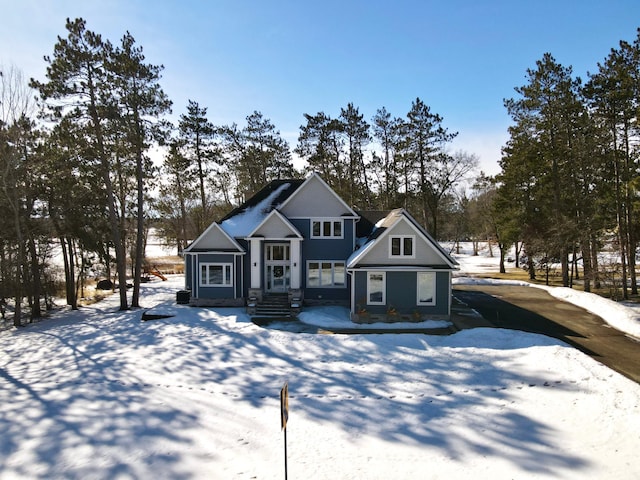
622	317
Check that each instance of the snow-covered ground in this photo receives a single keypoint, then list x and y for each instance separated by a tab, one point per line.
622	316
101	394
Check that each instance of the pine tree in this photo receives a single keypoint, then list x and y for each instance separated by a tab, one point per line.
142	103
321	144
257	154
613	93
549	149
197	133
78	89
356	133
386	132
423	144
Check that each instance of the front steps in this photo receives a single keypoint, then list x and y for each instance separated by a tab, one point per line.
273	305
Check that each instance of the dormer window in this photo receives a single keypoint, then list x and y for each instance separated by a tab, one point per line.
402	246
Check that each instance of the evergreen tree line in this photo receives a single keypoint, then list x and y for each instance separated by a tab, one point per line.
569	172
77	179
388	163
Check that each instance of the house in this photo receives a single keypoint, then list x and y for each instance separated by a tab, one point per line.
296	242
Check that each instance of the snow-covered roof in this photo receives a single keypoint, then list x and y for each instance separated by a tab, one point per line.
245	219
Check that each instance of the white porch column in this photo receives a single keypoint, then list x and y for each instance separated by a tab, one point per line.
296	259
256	262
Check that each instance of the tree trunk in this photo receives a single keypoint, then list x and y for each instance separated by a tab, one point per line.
586	264
595	267
36	286
564	262
71	287
116	235
137	272
531	267
503	252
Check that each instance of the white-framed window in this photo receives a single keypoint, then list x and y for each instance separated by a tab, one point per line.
402	246
376	288
216	274
426	288
326	274
327	228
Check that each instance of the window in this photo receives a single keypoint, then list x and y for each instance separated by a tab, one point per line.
278	252
426	288
216	275
402	246
326	228
325	274
376	287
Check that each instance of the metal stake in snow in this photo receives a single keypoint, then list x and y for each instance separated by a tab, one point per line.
284	416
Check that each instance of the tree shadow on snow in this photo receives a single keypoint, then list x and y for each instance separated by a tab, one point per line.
402	389
71	408
408	389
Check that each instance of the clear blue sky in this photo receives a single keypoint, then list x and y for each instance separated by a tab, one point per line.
287	58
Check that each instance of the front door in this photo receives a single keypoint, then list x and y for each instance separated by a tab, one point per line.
277	267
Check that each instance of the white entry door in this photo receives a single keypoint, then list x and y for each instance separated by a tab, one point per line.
277	267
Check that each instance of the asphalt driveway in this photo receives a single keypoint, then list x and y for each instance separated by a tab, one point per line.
533	310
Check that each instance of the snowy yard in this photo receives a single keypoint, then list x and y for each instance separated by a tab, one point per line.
101	394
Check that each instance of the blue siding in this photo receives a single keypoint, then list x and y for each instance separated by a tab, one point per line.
198	291
334	249
401	293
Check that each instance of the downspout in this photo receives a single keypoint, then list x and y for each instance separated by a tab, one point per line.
353	291
186	260
194	274
450	293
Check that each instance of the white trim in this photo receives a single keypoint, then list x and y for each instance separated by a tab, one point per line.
401	268
433	301
333	267
241	279
285	263
384	287
296	268
402	254
256	262
287	223
224	266
332	221
235	244
352	303
194	275
448	259
369	245
359	254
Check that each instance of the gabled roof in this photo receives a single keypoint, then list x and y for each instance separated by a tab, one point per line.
304	201
216	239
243	220
385	227
275	226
